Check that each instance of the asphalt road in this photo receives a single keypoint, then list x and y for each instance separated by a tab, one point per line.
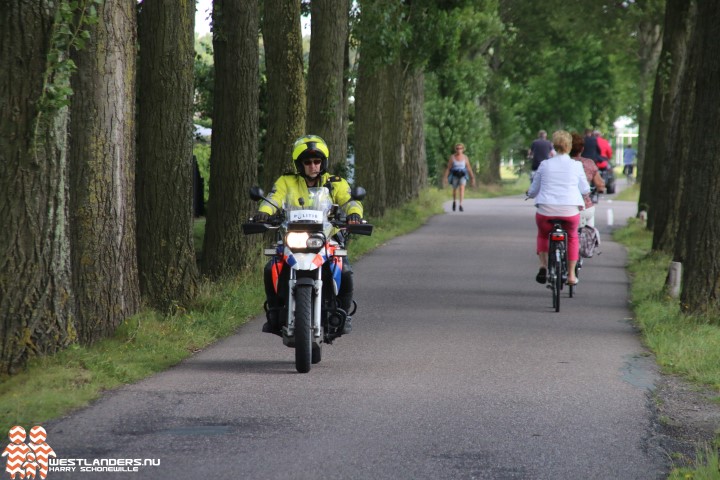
457	368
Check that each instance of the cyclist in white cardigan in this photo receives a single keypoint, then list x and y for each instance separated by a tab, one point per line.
558	187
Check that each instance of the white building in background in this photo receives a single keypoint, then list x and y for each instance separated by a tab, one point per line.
626	132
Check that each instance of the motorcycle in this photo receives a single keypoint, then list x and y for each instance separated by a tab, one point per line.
311	236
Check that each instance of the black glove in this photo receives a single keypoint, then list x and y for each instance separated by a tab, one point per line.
354	218
261	217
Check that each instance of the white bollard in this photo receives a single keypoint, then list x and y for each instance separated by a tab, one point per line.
610	218
674	279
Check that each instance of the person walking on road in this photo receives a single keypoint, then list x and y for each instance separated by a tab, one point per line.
557	188
457	171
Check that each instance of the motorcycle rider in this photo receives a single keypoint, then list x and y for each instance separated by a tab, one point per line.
310	159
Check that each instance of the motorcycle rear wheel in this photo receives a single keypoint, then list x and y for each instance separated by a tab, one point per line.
303	328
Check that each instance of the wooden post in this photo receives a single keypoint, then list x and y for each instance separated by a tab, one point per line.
673	279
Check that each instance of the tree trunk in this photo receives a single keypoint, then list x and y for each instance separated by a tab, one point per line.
166	257
282	39
491	174
393	95
416	171
326	77
650	36
369	167
233	165
36	299
102	174
661	190
701	225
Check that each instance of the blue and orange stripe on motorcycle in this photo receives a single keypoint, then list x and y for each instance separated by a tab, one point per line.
336	269
276	269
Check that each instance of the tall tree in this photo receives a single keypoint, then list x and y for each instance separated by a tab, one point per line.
649	40
326	76
413	143
166	257
36	299
701	270
661	189
102	174
380	32
369	165
392	94
282	39
450	42
233	166
498	123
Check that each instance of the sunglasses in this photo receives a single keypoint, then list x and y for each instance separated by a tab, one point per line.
316	161
459	148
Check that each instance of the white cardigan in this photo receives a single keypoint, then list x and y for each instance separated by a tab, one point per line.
559	180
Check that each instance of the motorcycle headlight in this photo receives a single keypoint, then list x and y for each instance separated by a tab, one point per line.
315	242
297	240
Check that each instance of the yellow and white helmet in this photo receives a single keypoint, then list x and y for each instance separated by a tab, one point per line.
310	146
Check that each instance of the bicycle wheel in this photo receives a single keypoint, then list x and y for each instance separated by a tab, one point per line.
566	271
557	279
551	274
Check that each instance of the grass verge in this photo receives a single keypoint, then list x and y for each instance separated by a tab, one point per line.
684	345
150	342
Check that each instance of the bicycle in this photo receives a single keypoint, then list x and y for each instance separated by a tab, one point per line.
557	274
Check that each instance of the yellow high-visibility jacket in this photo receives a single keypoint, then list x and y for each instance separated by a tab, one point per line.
297	188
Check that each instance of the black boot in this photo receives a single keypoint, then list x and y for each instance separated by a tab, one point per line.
273	324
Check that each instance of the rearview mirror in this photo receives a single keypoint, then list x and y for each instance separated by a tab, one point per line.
256	193
358	193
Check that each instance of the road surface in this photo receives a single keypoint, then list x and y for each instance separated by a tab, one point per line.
457	367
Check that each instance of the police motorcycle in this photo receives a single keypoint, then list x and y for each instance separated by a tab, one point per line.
305	243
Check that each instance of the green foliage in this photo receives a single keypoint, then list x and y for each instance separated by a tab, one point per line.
202	154
383	31
456	40
69	32
447	123
571	65
204	70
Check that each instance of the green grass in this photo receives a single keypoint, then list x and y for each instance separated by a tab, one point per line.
684	345
706	466
149	342
631	193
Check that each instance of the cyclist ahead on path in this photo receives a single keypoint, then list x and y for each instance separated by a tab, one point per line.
558	187
540	149
629	155
592	173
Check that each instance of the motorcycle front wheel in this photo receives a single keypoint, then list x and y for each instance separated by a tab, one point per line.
303	328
